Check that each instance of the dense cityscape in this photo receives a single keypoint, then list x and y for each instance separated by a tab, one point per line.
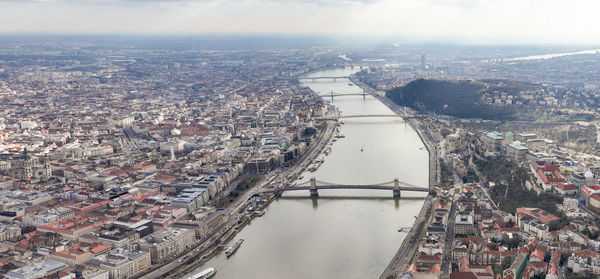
144	158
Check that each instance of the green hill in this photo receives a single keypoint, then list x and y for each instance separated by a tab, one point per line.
456	98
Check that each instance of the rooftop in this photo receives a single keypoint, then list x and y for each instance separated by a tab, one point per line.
518	146
494	135
36	270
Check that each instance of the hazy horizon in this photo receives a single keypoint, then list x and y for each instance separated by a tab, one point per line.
510	22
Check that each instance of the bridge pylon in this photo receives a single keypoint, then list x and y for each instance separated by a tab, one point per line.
396	188
313	187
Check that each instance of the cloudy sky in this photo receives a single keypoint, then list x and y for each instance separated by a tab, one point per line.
468	21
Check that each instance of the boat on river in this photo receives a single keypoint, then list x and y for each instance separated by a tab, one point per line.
320	159
204	274
233	248
313	167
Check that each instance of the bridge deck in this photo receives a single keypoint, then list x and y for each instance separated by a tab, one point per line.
368	187
342	94
323	77
358	116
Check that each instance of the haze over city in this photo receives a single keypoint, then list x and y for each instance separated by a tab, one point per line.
454	21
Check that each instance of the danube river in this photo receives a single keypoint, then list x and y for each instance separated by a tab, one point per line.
343	233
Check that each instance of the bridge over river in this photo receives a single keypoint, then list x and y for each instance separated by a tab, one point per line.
334	78
357	116
334	94
314	185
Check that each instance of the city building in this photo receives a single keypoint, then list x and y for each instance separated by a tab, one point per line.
168	243
464	224
492	140
37	270
27	166
547	177
122	263
517	151
77	253
8	232
74	227
535	214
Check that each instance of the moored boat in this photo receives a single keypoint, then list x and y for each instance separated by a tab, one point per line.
204	274
233	248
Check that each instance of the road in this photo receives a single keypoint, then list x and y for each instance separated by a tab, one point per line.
409	246
447	259
589	211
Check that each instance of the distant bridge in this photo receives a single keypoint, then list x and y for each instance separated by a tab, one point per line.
317	78
358	116
369	115
315	185
343	94
333	94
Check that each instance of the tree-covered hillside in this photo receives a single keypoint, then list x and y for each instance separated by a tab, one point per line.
456	98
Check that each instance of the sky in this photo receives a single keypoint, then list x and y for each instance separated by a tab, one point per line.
460	21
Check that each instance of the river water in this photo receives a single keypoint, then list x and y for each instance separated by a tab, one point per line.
344	233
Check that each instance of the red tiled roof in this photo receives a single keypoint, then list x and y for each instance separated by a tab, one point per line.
539	265
591	189
538	213
567	187
595	197
423	256
586	253
555	177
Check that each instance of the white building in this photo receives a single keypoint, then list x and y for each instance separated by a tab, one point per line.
571	204
122	263
36	270
9	232
28	125
167	243
175	146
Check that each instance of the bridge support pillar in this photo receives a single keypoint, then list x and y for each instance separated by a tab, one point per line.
396	188
313	187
